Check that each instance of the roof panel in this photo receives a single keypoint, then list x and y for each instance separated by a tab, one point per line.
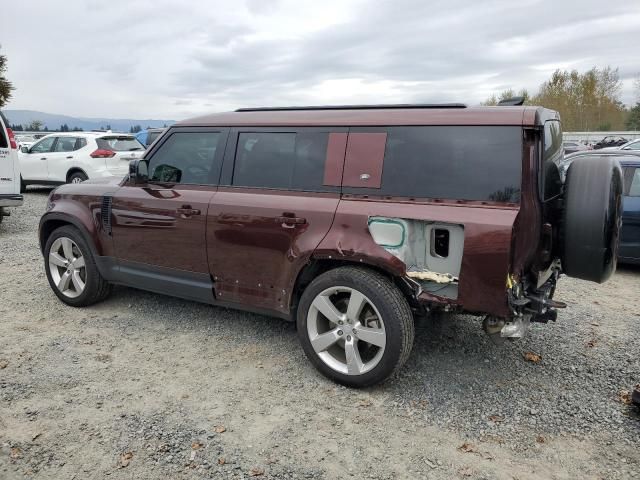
372	117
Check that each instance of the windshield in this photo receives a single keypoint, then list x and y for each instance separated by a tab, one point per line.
119	144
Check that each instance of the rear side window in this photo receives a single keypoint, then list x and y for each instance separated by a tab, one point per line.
452	162
119	144
632	181
186	157
281	160
80	143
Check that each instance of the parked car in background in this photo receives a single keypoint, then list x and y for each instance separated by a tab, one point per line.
348	220
147	137
610	141
629	243
572	147
632	145
9	170
25	141
77	156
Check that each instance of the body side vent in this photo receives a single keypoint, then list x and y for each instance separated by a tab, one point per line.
105	213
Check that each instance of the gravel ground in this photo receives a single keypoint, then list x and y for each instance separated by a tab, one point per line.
144	386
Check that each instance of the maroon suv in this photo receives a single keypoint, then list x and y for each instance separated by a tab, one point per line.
348	220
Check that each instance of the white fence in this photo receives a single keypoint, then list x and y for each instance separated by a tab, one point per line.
593	137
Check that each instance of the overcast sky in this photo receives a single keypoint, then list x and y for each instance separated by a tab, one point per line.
175	59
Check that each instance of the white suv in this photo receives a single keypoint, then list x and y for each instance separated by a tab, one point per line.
9	170
77	156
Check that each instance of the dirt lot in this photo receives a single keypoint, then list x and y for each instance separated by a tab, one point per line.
150	387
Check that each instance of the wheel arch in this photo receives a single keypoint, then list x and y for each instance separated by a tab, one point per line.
317	266
50	222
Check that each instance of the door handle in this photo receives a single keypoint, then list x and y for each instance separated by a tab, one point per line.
43	158
291	221
187	211
69	157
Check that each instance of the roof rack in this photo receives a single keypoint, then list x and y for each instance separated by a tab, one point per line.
355	107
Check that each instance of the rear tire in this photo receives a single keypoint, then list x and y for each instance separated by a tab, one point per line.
77	177
62	253
591	218
367	341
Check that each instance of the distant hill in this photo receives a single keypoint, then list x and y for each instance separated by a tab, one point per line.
53	121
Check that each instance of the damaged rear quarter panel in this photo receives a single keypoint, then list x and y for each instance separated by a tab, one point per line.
487	245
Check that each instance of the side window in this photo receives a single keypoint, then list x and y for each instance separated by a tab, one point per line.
80	143
65	144
281	160
552	155
185	157
3	139
633	146
632	181
43	145
479	163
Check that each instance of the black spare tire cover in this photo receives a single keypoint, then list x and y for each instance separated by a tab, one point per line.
591	218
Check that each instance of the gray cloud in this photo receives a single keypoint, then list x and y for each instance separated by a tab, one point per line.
177	59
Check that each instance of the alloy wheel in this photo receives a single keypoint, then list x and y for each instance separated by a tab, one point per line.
67	267
346	330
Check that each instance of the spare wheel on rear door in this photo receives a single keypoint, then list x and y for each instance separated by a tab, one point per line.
591	218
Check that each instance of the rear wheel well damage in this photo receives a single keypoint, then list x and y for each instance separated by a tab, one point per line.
316	267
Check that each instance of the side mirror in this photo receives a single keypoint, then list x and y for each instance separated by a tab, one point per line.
138	171
24	149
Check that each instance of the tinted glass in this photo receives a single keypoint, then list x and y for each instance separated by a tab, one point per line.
185	157
4	141
469	163
65	144
119	144
80	143
43	146
284	160
151	137
632	178
552	156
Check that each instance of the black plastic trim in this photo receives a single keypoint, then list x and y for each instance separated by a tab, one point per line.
168	281
355	107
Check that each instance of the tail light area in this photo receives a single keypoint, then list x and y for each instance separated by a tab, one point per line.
103	153
12	139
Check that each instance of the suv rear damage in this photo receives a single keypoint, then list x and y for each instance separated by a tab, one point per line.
348	220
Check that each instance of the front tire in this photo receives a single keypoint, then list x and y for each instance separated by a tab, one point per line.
71	269
355	326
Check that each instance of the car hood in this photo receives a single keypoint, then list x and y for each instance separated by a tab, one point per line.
97	186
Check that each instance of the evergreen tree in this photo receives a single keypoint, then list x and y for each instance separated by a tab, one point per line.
5	85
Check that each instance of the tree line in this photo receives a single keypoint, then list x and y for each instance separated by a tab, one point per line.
588	101
38	126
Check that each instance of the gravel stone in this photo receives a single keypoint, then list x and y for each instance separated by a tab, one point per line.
154	375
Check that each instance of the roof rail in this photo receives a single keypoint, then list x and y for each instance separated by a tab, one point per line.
355	107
